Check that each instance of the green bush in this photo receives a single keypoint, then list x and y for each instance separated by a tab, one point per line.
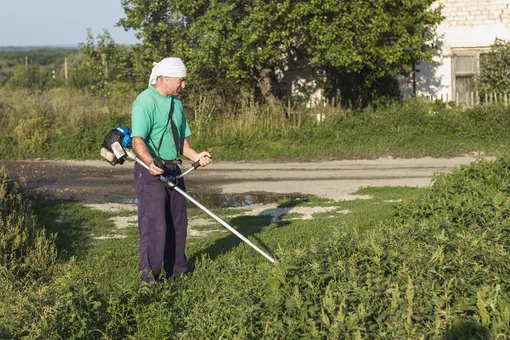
26	251
440	269
494	69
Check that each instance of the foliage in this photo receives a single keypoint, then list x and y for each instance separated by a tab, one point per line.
32	78
105	64
410	129
473	195
71	124
438	269
250	43
37	56
60	123
99	65
4	72
26	251
361	44
494	76
41	70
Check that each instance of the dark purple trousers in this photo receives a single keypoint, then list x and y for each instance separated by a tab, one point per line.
162	224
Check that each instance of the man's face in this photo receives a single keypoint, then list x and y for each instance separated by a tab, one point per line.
174	85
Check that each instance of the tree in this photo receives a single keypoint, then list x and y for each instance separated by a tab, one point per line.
4	72
354	43
362	43
494	76
159	25
105	64
34	77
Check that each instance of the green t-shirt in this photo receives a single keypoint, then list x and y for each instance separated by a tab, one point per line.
150	117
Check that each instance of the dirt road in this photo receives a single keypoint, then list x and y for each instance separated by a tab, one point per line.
97	181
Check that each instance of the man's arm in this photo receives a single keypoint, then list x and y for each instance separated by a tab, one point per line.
143	153
187	151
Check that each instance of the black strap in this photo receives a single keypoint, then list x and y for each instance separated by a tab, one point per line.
174	131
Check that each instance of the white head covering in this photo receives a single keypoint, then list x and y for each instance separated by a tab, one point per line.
169	67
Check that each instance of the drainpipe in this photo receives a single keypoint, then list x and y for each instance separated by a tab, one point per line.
414	81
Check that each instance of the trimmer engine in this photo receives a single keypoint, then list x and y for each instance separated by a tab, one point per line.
114	145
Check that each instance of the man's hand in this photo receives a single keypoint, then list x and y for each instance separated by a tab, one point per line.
143	153
204	158
154	169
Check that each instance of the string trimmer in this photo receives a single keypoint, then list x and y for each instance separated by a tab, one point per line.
117	148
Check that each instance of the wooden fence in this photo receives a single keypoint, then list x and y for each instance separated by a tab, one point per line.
469	99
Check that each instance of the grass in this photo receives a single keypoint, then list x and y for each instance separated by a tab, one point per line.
76	227
71	124
112	262
432	266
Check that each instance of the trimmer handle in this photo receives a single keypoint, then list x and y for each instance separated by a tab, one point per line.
159	163
165	177
195	165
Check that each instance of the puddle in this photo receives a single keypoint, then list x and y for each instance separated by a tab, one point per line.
277	214
112	237
127	201
230	200
241	200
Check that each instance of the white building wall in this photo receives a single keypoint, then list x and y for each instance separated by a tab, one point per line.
302	83
469	25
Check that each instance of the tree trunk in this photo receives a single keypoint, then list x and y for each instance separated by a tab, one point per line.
266	86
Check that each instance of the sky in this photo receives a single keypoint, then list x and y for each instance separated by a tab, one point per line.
59	22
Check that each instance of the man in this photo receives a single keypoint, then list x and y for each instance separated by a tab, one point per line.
162	217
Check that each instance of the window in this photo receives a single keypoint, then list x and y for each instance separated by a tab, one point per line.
465	65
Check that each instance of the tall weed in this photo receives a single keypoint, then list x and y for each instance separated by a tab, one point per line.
26	251
71	124
59	123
